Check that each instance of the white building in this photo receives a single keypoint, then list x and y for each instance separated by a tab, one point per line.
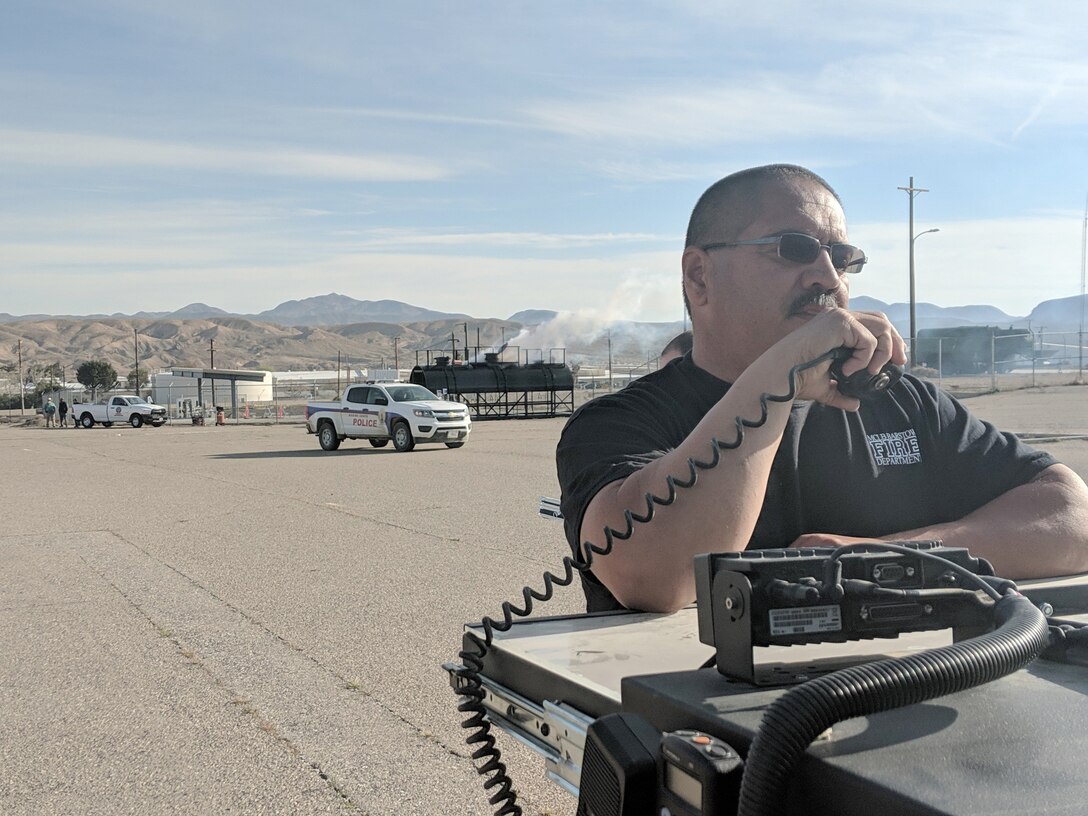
183	389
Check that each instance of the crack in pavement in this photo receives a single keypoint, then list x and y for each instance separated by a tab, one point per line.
312	709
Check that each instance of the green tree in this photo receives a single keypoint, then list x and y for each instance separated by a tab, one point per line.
46	377
137	377
95	374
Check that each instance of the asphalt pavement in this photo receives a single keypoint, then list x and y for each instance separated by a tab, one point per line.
229	620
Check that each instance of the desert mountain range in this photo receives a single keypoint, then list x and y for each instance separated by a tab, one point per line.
310	333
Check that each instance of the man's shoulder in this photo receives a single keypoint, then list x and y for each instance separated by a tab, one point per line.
662	405
655	390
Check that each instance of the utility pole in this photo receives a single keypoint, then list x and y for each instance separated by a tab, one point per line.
610	361
912	191
466	342
396	362
22	389
136	350
212	349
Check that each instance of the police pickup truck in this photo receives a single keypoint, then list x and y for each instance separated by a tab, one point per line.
404	412
134	410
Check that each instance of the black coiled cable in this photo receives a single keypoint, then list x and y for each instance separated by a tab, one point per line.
795	719
487	755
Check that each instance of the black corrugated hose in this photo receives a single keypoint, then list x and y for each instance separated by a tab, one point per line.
795	719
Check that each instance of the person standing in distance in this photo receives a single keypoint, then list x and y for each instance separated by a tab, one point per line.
766	270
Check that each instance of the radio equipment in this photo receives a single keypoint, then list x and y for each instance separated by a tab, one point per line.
789	597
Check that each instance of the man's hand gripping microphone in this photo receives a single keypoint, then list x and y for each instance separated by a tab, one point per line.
862	384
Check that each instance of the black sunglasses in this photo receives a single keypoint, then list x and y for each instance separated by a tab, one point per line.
804	249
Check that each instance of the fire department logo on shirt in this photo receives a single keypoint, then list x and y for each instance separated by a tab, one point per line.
896	448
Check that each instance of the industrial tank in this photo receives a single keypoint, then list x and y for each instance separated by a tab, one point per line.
502	390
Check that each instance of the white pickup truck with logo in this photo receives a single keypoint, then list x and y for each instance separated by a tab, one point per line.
134	410
378	412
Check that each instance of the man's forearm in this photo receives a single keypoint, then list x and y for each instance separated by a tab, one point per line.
1037	530
652	570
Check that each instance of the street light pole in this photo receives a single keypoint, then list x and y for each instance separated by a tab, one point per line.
913	331
912	191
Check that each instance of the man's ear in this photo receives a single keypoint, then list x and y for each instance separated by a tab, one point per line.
696	267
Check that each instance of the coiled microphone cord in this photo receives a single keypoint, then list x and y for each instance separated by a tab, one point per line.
485	755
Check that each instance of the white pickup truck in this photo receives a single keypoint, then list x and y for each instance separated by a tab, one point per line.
404	412
136	411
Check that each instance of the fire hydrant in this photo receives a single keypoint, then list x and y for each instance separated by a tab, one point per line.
220	415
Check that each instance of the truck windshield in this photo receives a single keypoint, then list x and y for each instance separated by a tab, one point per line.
137	401
411	393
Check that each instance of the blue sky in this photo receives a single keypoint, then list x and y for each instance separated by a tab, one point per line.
489	157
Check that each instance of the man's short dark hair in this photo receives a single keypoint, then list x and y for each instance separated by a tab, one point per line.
726	208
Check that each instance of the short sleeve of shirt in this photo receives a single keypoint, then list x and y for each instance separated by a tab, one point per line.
978	462
606	440
613	436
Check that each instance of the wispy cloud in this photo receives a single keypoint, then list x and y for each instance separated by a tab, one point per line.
1047	98
959	83
386	239
98	151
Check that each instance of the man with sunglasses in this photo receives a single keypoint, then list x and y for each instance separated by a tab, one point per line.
766	281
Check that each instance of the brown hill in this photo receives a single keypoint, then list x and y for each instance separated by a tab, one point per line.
240	342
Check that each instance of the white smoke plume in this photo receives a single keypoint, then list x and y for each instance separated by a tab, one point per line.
582	332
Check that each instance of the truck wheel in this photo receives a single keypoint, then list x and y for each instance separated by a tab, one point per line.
454	444
135	420
379	443
402	437
328	437
87	421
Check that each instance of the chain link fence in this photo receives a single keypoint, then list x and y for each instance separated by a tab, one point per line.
963	360
975	360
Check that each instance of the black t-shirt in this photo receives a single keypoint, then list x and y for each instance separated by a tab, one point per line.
911	458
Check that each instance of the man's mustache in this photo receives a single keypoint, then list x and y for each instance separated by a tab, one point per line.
817	297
